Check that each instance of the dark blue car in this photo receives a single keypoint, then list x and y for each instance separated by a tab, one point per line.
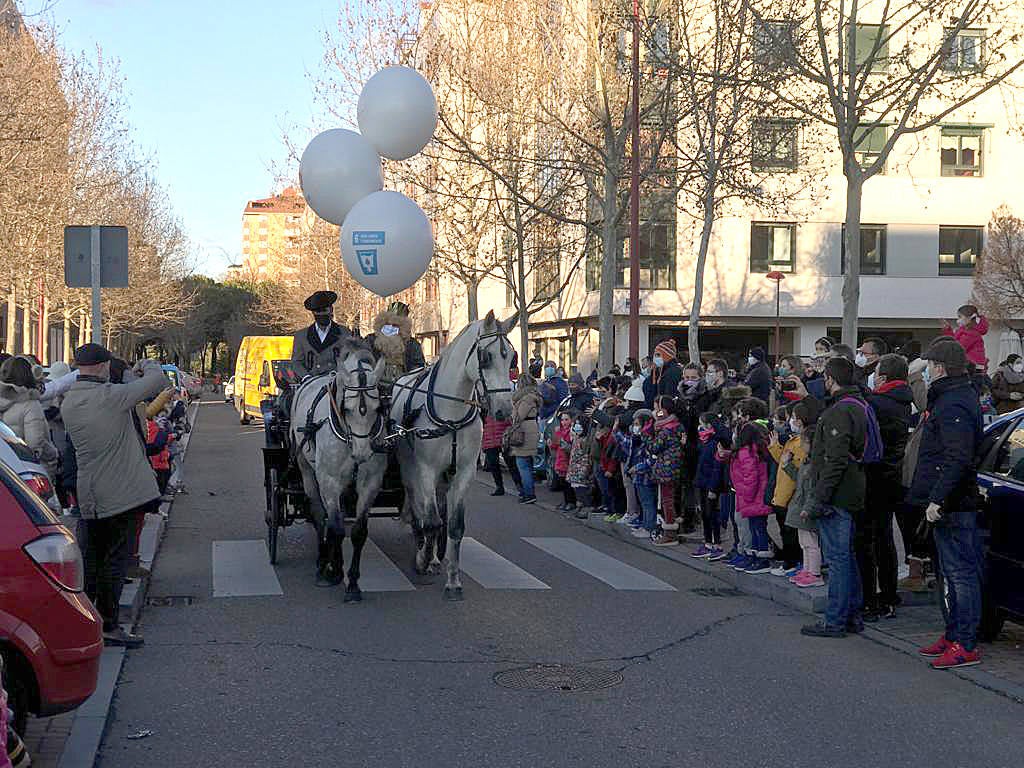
1001	485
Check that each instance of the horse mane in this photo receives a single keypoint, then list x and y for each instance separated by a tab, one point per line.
354	345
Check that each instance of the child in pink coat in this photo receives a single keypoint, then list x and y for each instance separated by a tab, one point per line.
970	333
560	445
748	471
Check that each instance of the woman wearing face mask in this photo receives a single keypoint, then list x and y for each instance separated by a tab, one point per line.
1008	385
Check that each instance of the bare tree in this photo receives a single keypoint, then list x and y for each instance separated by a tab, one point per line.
999	276
876	72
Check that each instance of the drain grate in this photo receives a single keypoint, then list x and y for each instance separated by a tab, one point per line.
165	601
717	592
558	677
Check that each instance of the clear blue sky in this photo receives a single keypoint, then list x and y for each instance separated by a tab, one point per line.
210	84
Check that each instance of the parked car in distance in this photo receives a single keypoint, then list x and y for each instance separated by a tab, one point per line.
15	453
1001	486
229	390
50	634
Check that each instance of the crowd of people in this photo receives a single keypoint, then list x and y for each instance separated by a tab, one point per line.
786	471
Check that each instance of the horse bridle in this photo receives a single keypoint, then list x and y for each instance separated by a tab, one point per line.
362	390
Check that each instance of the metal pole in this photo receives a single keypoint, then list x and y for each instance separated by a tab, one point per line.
778	348
634	199
94	257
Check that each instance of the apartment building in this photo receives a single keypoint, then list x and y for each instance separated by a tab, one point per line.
271	230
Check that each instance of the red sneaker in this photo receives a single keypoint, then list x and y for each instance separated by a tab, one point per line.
936	649
957	656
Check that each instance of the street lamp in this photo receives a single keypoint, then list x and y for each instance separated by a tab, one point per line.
777	277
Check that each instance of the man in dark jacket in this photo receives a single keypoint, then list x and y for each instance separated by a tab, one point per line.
759	375
876	551
315	349
553	390
666	374
838	495
581	397
946	480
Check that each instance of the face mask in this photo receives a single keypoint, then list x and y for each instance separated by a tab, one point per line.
871	381
389	330
794	427
782	372
635	429
659	361
961	322
549	372
1018	367
711	379
577	429
705	434
751	360
926	375
690	383
780	427
860	360
646	372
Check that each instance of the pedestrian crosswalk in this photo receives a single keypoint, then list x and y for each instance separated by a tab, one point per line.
241	569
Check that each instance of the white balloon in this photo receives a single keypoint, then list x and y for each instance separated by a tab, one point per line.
338	169
397	112
386	242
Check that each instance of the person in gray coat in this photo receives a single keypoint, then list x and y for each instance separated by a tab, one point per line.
115	481
315	349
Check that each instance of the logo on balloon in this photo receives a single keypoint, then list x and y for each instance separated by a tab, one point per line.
367	260
367	238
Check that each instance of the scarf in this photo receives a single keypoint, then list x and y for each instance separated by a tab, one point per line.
706	434
669	421
889	386
1009	375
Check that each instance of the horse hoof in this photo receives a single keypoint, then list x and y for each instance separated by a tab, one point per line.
354	597
328	580
453	594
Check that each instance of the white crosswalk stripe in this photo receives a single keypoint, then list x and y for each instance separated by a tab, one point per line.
376	571
242	569
492	571
599	565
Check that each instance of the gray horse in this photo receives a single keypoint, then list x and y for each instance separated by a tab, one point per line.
348	425
439	411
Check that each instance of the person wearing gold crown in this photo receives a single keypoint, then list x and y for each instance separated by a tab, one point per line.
392	339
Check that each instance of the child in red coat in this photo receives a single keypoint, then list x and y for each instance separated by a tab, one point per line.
560	445
970	331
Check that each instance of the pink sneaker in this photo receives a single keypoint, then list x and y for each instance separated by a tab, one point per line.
810	580
796	576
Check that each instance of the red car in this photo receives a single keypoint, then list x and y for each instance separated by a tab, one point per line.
50	634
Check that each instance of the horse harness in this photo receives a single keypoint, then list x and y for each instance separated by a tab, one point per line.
336	418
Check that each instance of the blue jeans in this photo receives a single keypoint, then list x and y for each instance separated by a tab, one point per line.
958	548
525	465
845	591
607	492
648	494
759	541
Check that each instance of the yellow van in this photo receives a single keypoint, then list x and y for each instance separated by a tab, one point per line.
254	376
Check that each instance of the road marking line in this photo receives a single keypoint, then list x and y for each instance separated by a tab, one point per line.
376	571
492	571
599	565
242	569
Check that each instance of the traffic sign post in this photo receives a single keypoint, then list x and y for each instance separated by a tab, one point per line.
96	257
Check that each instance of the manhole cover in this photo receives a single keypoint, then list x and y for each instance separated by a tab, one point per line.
717	592
557	678
164	601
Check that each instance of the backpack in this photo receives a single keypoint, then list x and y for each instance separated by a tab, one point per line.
874	450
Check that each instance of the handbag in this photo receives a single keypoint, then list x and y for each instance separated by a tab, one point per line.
514	437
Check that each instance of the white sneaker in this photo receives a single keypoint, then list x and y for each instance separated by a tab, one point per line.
641	533
779	570
627	519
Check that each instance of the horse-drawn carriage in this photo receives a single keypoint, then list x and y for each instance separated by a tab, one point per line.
335	442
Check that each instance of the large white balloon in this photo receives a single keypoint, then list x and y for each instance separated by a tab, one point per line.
338	169
397	112
386	242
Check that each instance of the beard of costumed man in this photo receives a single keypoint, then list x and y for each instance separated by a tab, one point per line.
392	339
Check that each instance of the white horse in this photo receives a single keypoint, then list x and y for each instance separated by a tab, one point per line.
348	426
438	413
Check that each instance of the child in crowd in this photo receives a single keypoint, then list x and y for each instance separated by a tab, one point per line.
970	331
627	453
749	473
709	481
746	411
579	474
158	438
605	472
494	431
640	474
664	445
802	422
783	443
561	443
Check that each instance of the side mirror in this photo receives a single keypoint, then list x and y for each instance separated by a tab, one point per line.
264	381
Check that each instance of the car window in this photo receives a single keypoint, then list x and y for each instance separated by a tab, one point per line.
1010	460
31	504
17	445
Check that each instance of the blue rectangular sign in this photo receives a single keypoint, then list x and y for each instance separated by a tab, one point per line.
367	238
367	260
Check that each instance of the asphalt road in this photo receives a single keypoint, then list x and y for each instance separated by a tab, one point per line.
407	679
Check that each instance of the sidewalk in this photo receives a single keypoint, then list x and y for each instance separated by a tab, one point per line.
918	621
72	740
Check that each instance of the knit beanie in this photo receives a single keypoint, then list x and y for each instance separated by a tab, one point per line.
666	348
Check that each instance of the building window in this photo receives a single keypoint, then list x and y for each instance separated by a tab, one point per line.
959	249
872	48
772	247
546	273
775	145
868	145
961	151
659	46
963	51
657	259
774	47
872	249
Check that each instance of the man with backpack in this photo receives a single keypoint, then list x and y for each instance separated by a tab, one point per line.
846	437
946	482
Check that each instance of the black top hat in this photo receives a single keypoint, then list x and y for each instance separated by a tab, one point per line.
92	354
320	300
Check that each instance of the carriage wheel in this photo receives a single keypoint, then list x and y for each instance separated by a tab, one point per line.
276	515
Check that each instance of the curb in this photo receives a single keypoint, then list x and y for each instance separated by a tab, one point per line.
90	721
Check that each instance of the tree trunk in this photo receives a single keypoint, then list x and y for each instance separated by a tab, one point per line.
524	305
693	329
12	314
472	300
26	326
851	281
66	352
606	302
